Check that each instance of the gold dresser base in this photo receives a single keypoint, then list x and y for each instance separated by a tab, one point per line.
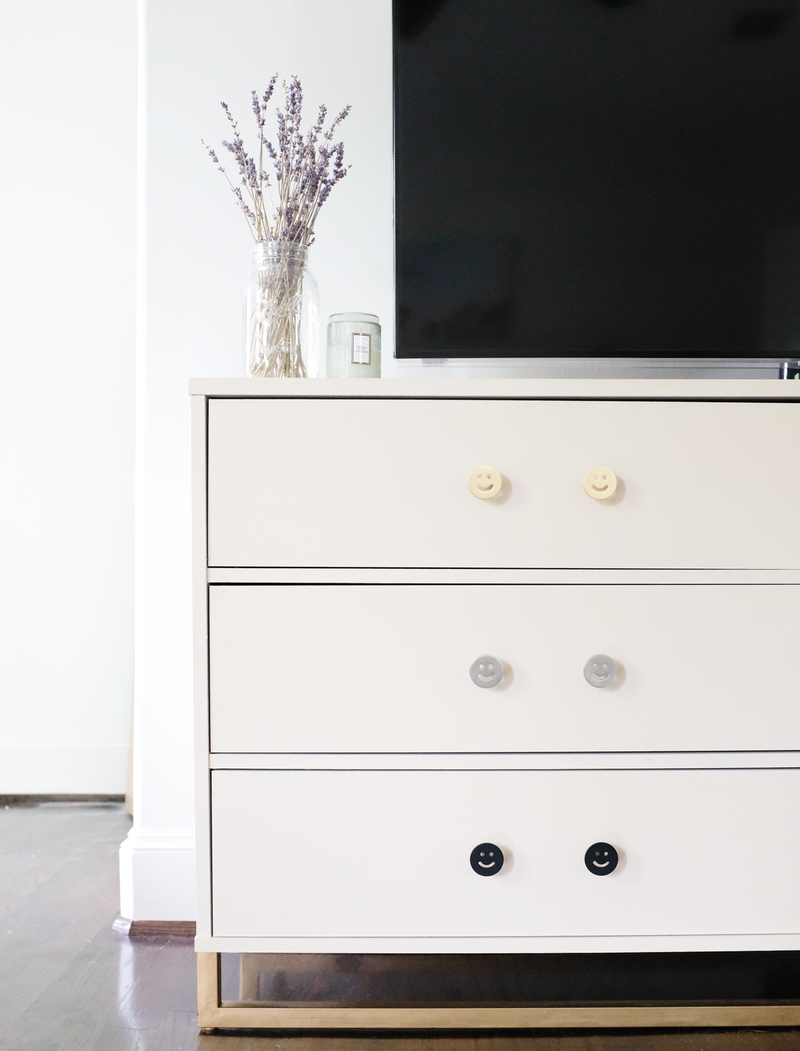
214	1013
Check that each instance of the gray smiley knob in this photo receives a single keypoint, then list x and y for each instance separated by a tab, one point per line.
600	670
486	671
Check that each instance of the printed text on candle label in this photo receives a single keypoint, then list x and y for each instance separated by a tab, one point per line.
361	348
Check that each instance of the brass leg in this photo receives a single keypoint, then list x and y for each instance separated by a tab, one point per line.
208	990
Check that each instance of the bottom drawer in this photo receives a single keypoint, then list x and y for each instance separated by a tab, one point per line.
387	853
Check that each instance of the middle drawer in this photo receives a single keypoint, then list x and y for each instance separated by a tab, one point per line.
360	668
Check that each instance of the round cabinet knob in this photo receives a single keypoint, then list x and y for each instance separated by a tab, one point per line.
486	671
485	482
600	483
486	859
600	859
600	671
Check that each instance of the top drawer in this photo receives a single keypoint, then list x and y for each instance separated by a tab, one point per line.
383	482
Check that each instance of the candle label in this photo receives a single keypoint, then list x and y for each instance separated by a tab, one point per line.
361	349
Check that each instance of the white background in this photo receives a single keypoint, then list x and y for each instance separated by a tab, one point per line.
68	221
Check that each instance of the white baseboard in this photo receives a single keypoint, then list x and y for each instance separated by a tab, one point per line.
157	876
63	769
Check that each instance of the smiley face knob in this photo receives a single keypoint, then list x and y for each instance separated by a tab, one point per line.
600	671
485	483
601	859
486	859
486	671
600	483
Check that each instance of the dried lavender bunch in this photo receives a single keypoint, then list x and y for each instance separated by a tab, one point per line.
307	167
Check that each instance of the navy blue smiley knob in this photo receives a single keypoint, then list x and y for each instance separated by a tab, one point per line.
486	859
601	859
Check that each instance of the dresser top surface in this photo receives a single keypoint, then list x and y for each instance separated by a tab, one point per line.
611	389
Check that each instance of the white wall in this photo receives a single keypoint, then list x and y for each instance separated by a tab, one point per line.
195	257
67	274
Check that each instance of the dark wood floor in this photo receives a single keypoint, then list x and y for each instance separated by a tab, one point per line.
69	983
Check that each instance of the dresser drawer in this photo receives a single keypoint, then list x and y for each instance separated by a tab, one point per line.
386	668
353	853
383	482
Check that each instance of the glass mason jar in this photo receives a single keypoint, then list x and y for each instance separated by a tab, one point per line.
281	313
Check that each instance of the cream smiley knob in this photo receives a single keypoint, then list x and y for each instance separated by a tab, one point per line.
600	483
485	482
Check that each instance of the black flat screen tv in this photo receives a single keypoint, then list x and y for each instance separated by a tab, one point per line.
608	179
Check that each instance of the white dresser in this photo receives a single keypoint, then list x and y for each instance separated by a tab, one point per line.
348	584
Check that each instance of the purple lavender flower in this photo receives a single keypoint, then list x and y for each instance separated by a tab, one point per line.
307	167
251	172
295	106
268	92
270	148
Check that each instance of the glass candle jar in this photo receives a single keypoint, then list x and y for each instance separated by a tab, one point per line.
354	346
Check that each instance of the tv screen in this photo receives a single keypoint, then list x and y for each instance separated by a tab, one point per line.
597	178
